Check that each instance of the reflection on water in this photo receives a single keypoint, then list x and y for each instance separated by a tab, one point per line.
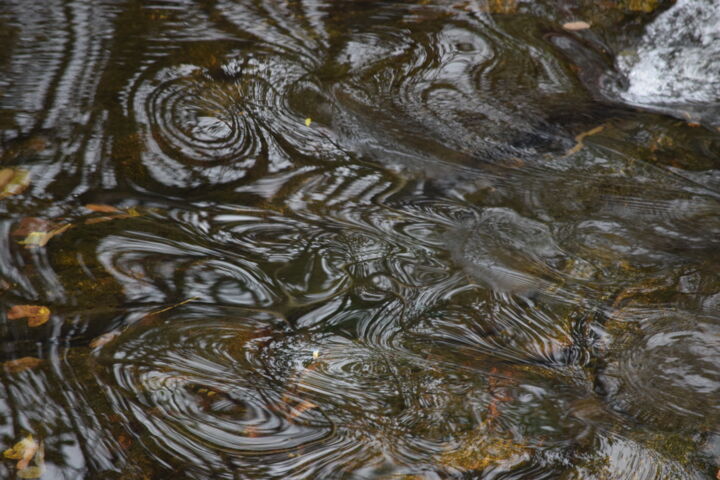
311	239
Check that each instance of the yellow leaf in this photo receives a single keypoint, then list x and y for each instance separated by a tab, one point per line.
579	25
40	239
13	181
21	364
36	314
308	121
23	451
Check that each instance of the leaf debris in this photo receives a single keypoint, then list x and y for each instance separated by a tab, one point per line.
21	364
24	451
577	25
13	181
579	139
104	339
36	314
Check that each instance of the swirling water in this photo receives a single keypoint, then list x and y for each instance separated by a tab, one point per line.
362	239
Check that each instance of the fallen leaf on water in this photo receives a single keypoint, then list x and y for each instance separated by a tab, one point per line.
95	207
36	314
21	364
573	26
13	181
308	121
104	339
40	239
23	451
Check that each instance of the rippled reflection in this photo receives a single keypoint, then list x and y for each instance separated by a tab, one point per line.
306	239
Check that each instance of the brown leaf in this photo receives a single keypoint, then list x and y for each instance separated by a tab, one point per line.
124	441
104	339
21	364
36	314
574	26
31	224
13	181
95	207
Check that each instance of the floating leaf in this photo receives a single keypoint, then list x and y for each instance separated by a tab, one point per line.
36	314
104	339
21	364
40	239
308	121
573	26
13	181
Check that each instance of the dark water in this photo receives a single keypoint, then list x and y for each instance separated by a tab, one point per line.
360	239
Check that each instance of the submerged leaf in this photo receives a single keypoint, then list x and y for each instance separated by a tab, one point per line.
502	6
36	314
646	6
23	451
104	339
31	472
13	181
573	26
21	364
101	208
40	239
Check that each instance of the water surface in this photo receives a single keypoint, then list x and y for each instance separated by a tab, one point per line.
363	239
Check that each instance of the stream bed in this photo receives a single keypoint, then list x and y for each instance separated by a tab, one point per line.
324	239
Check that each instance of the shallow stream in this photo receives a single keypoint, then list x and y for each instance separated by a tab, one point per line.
323	239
